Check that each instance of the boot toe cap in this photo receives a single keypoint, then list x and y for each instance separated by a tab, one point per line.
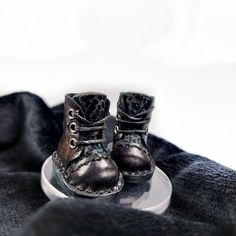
132	160
99	176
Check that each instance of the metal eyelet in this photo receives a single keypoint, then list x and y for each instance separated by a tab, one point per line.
71	113
72	143
72	127
116	129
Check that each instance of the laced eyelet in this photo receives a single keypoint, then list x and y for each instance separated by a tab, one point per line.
71	113
116	129
72	143
72	127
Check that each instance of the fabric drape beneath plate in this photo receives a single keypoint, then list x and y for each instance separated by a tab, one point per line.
204	192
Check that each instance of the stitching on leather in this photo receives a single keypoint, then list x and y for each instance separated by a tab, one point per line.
61	169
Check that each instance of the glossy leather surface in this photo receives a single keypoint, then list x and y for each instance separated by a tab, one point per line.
96	175
132	159
87	167
130	135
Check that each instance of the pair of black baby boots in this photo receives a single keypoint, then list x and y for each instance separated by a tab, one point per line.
83	162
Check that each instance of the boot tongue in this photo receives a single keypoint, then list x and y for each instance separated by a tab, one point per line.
93	107
134	103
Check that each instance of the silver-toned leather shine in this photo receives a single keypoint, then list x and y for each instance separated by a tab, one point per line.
130	137
82	161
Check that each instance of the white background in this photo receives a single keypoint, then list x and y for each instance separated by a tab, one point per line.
181	51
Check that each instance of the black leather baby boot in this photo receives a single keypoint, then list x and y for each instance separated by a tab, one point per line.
82	161
130	137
